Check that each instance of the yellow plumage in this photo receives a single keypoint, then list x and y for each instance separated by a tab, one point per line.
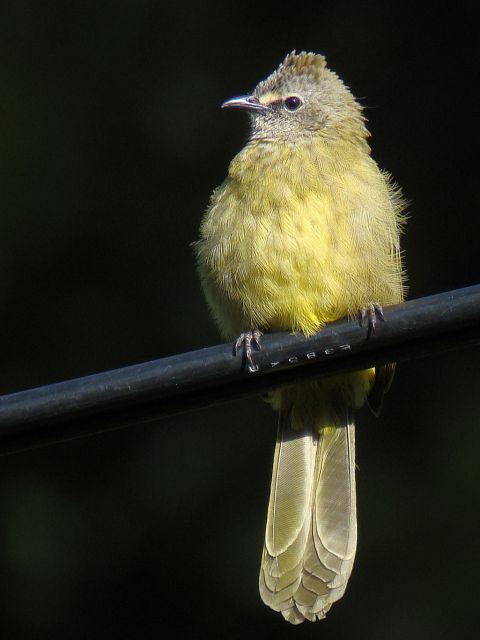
304	230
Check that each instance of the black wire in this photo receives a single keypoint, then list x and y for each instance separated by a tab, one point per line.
114	399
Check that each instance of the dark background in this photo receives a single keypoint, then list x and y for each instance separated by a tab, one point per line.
111	140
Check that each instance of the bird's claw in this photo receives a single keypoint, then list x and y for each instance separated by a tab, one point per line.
372	313
246	340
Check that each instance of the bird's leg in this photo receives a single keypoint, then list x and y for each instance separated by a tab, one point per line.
246	340
372	312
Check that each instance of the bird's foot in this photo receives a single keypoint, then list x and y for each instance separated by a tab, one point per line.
246	340
371	313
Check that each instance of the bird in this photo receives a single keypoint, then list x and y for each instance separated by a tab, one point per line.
305	230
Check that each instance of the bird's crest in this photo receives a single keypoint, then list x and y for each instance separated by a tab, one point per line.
298	67
309	64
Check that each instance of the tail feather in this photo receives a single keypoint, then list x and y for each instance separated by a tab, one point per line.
311	529
294	464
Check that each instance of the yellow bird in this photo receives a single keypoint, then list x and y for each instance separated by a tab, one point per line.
305	230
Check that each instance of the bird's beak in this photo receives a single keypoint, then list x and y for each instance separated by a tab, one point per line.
249	103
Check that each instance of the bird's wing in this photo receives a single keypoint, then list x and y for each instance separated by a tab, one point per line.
382	383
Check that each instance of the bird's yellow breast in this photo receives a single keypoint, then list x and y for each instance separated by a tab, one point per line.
297	236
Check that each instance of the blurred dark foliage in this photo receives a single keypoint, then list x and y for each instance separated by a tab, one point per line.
111	141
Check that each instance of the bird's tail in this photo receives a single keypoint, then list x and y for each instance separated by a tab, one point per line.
311	532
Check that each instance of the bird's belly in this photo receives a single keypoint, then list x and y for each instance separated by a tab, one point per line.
286	292
280	273
282	254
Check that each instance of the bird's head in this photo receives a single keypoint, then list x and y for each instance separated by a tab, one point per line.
300	100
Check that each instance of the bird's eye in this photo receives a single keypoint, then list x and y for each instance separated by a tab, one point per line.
292	103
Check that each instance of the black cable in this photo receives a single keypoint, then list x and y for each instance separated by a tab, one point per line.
141	392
